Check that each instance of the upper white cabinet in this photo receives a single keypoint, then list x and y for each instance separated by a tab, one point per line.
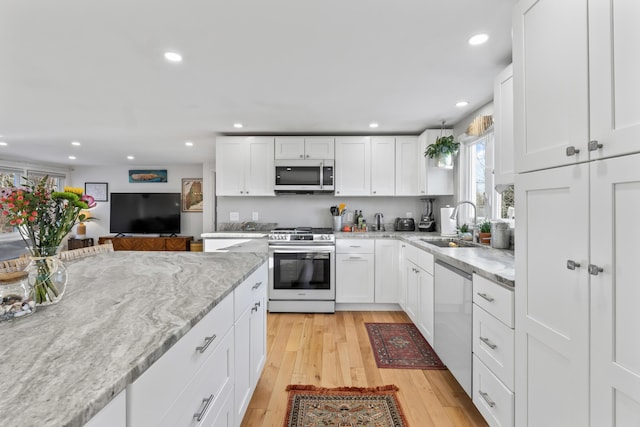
434	181
353	166
244	166
575	81
503	127
383	154
408	159
304	147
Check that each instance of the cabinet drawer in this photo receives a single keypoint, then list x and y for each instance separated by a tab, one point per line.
207	392
158	387
251	290
422	259
493	343
492	398
355	246
494	298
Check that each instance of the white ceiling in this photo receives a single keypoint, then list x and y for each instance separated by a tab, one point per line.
93	71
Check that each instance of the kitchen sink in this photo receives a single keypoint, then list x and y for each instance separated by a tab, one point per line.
451	243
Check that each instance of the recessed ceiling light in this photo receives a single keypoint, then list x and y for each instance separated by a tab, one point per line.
373	125
478	39
130	157
173	56
237	125
462	103
4	144
72	157
76	143
189	144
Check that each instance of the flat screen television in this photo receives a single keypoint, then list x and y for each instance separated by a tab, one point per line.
145	213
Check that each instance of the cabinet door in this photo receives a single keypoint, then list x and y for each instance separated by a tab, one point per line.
615	294
112	415
354	278
386	271
412	275
242	374
383	168
353	166
289	147
258	334
550	75
552	301
503	127
425	307
231	153
319	147
402	279
408	158
614	67
260	167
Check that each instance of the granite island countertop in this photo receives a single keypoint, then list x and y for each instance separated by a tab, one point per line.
121	312
494	264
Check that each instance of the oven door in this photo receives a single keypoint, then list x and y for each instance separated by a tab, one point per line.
302	273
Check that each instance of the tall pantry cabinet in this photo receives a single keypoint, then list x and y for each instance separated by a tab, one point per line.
577	129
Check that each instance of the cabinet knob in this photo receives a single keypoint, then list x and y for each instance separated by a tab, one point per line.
246	192
594	146
572	151
307	156
301	156
572	265
594	269
241	192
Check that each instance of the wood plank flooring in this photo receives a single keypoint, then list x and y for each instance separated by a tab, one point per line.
332	350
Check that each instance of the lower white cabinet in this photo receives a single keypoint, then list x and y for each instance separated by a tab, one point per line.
112	415
492	398
355	271
386	271
418	276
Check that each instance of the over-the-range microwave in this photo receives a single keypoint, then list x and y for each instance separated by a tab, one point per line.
304	176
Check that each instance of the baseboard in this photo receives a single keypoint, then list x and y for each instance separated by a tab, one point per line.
367	307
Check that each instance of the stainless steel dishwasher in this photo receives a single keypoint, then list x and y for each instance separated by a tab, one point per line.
453	325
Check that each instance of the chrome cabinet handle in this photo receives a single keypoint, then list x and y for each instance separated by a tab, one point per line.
491	345
254	308
256	286
355	257
257	304
207	402
572	151
485	296
354	246
207	343
594	146
572	265
487	399
594	269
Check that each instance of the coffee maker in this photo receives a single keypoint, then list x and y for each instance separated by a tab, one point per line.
427	222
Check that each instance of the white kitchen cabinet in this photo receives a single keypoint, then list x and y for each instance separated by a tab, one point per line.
503	173
112	415
353	166
434	181
245	166
304	147
402	278
420	290
426	305
386	271
412	277
407	168
250	300
355	271
383	169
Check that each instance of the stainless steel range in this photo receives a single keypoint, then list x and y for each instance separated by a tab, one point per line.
302	270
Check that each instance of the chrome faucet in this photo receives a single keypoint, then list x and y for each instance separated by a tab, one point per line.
454	215
379	223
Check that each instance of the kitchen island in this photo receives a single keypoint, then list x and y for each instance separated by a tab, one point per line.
120	313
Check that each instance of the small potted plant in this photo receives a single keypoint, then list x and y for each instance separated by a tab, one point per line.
464	232
485	233
443	151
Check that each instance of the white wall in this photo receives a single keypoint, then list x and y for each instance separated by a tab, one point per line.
117	177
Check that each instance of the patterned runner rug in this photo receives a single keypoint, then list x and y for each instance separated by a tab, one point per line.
345	406
401	346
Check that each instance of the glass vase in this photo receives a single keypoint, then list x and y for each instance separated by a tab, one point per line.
47	275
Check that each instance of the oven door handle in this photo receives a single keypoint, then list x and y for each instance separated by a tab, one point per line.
298	249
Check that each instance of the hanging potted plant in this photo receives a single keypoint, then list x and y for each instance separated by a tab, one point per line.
443	151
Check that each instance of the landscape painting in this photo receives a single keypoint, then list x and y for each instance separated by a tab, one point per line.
150	175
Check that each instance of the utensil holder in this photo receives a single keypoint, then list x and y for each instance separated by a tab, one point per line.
337	223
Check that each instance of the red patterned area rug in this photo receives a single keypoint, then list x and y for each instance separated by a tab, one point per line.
401	346
345	406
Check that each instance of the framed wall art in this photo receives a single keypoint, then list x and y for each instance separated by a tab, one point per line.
192	195
98	190
147	175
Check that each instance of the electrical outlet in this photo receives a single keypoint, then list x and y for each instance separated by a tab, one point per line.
254	216
349	216
234	216
409	214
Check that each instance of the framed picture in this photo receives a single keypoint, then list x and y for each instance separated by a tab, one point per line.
147	175
191	194
98	190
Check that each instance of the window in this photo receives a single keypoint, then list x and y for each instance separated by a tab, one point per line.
476	177
8	177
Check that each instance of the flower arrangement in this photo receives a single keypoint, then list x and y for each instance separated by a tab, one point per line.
43	218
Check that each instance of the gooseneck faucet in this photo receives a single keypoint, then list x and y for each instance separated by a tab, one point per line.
454	215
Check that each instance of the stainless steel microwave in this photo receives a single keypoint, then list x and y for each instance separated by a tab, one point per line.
304	176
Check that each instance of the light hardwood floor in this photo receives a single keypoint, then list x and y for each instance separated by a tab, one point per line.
332	350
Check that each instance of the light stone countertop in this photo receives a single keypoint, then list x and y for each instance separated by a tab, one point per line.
121	312
494	264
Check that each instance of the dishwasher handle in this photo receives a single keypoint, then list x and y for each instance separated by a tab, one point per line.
455	270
